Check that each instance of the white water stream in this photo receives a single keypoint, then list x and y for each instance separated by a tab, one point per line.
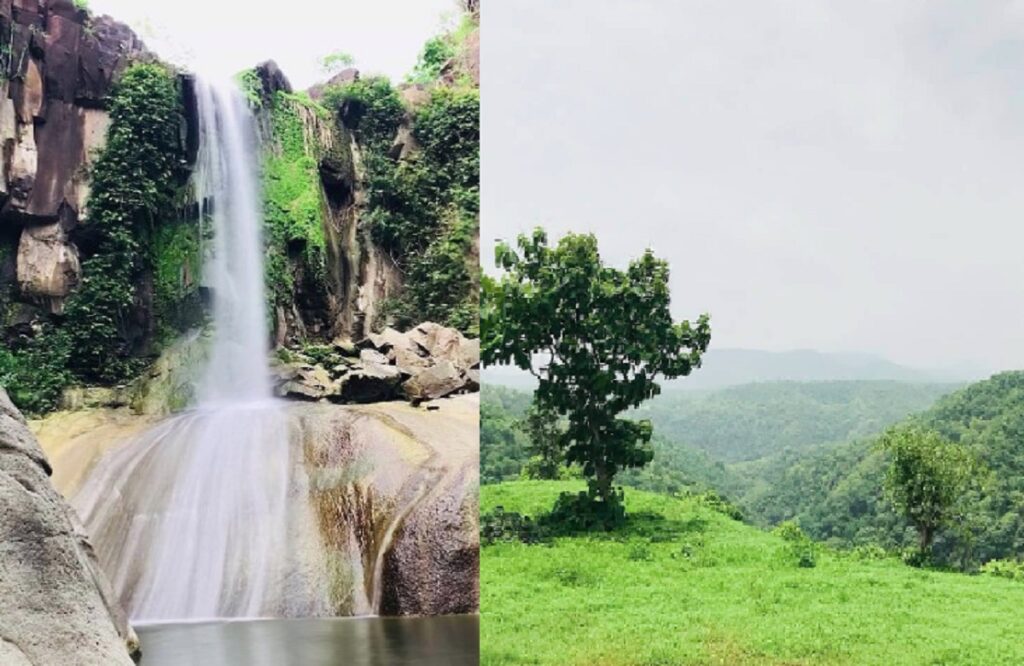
190	517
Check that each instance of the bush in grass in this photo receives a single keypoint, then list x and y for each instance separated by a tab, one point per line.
716	502
869	552
1004	568
500	525
799	547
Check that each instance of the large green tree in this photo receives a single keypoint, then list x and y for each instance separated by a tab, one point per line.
595	337
927	478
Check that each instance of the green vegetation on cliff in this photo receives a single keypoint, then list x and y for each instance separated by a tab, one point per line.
135	184
682	583
422	206
132	233
293	205
176	256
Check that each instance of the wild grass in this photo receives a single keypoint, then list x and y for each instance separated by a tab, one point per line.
683	584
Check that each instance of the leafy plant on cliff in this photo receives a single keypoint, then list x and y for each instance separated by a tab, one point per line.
177	265
248	81
371	107
441	49
435	54
134	184
34	371
293	206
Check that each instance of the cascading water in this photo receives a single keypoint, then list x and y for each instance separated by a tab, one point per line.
242	507
206	536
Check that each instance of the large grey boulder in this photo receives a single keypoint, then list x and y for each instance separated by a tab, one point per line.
437	381
56	606
303	382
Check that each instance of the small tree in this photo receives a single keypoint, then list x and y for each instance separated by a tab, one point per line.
604	335
333	63
926	479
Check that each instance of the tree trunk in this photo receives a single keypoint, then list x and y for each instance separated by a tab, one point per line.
602	481
925	534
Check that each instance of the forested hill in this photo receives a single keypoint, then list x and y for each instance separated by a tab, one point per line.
836	494
700	436
804	451
758	420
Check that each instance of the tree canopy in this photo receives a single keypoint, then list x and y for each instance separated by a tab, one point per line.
597	339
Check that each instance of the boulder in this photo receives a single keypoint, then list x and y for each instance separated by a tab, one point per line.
372	356
94	397
48	264
472	380
442	343
373	382
57	607
304	382
432	360
346	347
404	145
347	75
272	78
437	381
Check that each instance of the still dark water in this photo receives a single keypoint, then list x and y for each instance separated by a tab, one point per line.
424	641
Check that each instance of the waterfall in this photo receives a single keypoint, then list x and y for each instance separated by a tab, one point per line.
226	185
242	507
190	518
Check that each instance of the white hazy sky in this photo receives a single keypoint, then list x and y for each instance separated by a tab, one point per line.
221	37
843	176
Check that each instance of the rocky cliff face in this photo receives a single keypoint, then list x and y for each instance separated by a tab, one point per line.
56	606
57	67
344	300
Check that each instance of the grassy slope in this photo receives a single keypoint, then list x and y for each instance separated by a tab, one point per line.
634	598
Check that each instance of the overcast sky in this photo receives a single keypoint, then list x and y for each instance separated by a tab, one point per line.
843	176
225	36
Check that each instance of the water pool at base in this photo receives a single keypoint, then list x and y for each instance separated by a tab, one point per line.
372	641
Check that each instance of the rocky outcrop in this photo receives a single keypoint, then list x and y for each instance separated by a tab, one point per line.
402	483
428	362
360	276
57	72
56	606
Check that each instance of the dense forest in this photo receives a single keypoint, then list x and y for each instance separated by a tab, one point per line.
805	451
836	493
752	421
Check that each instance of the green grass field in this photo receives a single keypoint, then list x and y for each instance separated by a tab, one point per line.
684	584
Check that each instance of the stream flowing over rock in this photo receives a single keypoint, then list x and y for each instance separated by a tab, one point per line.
377	509
56	606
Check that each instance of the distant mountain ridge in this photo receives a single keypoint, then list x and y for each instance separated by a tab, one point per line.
733	367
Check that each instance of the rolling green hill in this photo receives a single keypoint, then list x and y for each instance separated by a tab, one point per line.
683	584
836	493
